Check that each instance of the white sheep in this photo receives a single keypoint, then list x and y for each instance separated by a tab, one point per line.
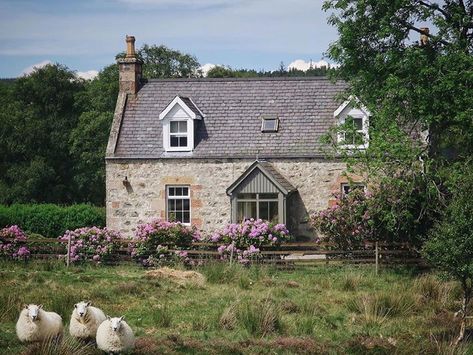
115	336
85	320
36	324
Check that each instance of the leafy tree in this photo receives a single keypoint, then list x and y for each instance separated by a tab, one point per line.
88	140
35	125
451	245
163	62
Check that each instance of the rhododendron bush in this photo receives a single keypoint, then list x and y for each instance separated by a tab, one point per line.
158	242
244	240
13	243
347	224
92	243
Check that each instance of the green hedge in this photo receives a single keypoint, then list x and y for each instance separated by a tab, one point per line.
51	220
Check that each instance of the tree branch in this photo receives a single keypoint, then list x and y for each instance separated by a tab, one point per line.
435	7
418	30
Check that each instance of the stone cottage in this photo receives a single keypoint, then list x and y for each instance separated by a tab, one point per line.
208	152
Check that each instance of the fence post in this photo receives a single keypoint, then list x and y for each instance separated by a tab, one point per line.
376	256
231	253
68	256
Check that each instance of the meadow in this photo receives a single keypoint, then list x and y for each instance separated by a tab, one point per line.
245	310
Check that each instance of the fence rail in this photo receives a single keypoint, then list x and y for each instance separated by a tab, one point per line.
288	254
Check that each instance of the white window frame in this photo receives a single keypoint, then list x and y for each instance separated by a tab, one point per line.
188	196
353	184
349	110
276	126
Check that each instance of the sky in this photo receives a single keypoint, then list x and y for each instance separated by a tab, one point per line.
85	35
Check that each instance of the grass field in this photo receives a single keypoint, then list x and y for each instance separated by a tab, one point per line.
326	309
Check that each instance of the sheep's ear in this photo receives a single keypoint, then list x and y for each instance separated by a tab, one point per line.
122	318
89	303
75	306
26	306
108	318
40	306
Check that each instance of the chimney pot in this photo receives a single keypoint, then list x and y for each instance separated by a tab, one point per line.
424	36
130	47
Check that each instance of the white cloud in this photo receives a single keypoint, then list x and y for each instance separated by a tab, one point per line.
32	68
206	67
87	75
301	64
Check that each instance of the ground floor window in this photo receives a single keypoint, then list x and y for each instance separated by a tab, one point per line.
178	204
347	188
258	206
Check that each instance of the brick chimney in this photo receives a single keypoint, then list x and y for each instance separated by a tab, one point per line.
129	69
424	36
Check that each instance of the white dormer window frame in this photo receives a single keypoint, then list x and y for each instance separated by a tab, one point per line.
175	132
354	109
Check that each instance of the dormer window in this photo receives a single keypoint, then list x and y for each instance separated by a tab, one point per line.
178	124
353	119
269	124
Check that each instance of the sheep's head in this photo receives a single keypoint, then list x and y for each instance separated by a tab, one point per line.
81	308
33	311
116	323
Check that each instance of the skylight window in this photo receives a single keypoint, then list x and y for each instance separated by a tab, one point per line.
269	125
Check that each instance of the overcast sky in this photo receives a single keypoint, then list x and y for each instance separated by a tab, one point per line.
85	35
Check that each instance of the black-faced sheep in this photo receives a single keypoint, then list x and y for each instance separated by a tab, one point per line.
115	336
36	324
85	320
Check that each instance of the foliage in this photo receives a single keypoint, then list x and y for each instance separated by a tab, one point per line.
92	243
37	117
88	140
154	240
347	223
243	240
163	62
419	94
51	220
13	243
220	71
451	246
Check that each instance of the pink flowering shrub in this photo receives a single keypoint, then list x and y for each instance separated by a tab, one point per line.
13	243
154	241
348	223
245	239
92	243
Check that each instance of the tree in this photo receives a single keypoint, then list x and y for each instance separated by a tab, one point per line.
451	245
163	62
411	86
88	140
35	125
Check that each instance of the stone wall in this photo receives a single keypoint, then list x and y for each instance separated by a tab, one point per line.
142	197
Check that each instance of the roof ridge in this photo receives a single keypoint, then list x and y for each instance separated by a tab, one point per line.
280	78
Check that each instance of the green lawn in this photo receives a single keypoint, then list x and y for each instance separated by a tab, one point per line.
326	309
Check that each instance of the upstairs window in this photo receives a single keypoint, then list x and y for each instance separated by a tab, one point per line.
353	121
354	135
178	134
178	204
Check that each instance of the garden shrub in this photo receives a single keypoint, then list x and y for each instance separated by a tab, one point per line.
92	243
52	220
13	243
245	239
347	223
153	242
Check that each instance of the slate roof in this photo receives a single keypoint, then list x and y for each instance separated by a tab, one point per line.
232	124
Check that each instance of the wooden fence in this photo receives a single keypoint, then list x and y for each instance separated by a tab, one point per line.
287	254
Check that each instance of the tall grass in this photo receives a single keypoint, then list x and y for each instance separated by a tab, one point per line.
65	346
